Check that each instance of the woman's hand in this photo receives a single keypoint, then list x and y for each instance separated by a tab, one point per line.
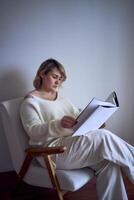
68	122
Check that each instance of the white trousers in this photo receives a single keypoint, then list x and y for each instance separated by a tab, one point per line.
106	154
110	184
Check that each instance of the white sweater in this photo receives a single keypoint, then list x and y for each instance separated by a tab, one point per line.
41	119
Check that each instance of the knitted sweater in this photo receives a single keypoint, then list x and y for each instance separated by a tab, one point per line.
41	119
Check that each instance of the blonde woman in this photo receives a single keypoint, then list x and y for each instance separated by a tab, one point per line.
48	119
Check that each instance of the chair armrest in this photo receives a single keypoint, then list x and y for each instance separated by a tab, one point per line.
33	152
38	151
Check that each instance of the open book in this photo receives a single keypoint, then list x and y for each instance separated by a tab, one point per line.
95	114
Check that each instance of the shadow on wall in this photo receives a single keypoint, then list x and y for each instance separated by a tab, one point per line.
12	85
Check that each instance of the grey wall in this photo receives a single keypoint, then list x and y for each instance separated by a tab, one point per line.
93	39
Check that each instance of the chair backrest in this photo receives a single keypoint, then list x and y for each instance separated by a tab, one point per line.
16	136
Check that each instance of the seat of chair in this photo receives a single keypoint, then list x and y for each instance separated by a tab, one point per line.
70	180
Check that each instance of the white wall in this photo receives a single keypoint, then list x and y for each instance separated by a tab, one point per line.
93	39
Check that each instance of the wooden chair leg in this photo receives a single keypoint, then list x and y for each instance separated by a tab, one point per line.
21	175
25	166
53	176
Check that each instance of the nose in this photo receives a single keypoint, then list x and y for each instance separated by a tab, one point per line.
57	82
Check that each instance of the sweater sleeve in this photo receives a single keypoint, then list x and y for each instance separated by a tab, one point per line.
39	130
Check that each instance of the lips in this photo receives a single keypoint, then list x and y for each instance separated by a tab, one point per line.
55	86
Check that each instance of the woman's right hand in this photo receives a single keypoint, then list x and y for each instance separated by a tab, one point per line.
68	122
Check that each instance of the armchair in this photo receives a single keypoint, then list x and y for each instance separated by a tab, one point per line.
22	156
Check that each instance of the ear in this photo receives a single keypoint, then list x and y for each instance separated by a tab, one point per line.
41	74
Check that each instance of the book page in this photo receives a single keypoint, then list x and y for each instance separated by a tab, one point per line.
95	120
90	108
95	114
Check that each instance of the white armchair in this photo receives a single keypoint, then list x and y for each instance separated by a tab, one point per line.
22	156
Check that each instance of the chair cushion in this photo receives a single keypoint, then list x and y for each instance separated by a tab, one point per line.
70	180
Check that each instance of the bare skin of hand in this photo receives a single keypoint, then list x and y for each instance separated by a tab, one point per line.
68	122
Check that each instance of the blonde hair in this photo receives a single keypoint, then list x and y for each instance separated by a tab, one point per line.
47	66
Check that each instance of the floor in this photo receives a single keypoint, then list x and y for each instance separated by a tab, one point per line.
8	181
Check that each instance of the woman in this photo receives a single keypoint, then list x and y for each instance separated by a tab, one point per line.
48	120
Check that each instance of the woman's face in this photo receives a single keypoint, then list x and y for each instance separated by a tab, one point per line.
52	80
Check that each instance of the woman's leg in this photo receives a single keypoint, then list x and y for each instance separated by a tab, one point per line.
94	147
104	153
116	150
109	184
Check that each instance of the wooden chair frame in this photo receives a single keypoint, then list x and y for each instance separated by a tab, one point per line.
46	153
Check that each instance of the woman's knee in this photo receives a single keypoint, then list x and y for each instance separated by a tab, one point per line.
101	133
